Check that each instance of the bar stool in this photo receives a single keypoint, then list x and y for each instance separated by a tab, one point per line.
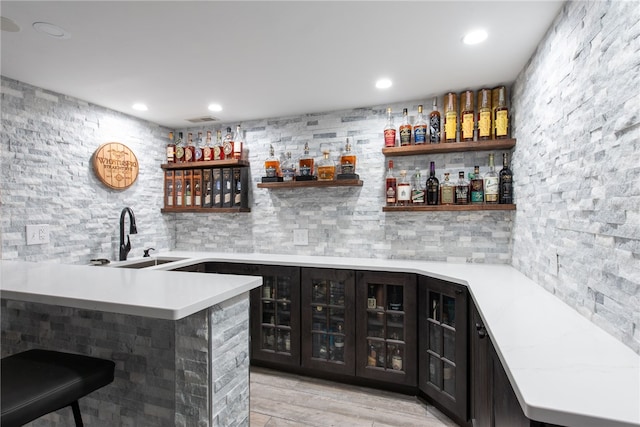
37	382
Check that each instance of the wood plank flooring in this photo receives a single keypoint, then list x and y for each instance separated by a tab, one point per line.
281	399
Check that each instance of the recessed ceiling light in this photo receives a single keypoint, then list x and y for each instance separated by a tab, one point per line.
139	106
475	37
383	84
8	25
215	107
51	30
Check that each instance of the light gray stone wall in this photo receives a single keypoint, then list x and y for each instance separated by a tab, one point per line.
576	114
46	177
192	372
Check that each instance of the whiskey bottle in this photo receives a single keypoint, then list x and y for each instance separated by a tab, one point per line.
404	190
218	147
389	131
420	128
434	123
227	144
238	144
501	118
288	168
326	167
207	150
272	165
348	162
484	114
418	190
391	186
467	116
189	150
462	190
198	154
433	186
171	149
447	191
450	117
179	149
306	163
477	186
405	129
506	181
491	183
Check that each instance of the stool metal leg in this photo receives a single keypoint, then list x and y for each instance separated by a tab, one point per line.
76	414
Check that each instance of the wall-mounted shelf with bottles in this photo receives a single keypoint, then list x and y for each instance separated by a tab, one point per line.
298	184
450	147
204	165
442	208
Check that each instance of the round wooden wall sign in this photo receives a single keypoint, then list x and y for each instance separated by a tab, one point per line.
115	165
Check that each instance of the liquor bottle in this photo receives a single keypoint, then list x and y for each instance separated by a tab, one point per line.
288	168
326	167
348	160
491	183
420	128
272	165
434	123
238	144
484	114
171	149
189	150
501	118
218	148
197	156
506	182
207	150
187	191
179	149
404	190
339	344
405	129
467	116
462	190
389	131
477	186
450	117
390	186
227	144
433	186
447	191
418	190
306	162
396	360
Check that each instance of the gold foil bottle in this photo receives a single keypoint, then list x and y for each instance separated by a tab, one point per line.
450	117
484	114
467	116
501	118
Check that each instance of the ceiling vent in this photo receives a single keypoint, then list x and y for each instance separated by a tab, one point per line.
204	119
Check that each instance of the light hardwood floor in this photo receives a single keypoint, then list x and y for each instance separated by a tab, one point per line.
282	399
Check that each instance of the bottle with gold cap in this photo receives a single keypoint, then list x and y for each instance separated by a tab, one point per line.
450	117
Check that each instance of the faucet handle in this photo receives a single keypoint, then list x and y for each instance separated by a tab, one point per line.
146	252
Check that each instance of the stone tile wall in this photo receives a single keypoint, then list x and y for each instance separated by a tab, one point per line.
192	372
576	114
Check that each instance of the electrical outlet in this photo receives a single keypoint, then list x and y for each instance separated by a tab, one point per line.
300	237
37	234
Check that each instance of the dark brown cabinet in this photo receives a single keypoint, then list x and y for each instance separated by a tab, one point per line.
386	327
328	320
442	341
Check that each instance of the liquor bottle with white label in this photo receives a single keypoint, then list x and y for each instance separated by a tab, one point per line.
491	183
404	189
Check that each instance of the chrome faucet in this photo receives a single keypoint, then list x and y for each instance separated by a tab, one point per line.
125	248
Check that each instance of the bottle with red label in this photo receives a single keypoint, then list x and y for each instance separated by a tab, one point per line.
389	131
207	150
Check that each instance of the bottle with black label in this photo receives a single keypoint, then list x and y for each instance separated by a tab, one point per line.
433	186
434	123
506	182
405	129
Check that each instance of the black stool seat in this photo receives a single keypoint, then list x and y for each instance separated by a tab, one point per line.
36	382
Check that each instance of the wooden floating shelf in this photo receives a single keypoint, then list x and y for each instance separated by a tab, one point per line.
300	184
443	208
450	147
205	165
205	210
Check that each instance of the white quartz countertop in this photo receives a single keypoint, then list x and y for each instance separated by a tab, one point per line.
158	294
564	369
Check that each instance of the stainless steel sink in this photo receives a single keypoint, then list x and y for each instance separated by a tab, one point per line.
145	262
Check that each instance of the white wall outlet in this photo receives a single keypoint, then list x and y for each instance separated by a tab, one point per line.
37	234
300	237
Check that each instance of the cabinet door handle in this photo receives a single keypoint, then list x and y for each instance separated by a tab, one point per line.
482	331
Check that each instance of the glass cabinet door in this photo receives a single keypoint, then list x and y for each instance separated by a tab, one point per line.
387	326
328	322
442	341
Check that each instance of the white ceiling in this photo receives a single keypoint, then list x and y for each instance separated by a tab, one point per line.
262	59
